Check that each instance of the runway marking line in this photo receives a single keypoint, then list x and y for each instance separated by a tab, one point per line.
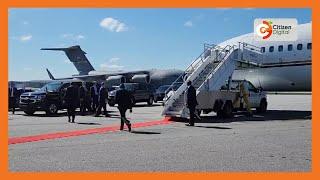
41	137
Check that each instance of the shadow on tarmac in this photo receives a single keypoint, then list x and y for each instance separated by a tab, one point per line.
144	132
146	105
213	127
270	115
88	123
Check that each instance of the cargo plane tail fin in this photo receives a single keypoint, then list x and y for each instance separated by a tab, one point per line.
77	56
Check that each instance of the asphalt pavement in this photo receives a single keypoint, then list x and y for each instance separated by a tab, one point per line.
279	140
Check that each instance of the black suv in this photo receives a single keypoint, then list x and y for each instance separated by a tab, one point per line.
141	92
49	98
160	92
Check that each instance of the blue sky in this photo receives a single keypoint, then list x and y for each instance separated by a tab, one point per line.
124	39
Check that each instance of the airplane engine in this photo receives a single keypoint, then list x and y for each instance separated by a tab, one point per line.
141	78
115	80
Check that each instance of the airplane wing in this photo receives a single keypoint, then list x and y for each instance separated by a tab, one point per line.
104	76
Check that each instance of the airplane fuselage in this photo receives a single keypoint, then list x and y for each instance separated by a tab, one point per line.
286	65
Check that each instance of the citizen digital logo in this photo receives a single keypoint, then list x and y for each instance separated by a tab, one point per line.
281	29
275	29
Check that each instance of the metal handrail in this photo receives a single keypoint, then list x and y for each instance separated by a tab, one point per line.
227	50
192	66
251	47
221	50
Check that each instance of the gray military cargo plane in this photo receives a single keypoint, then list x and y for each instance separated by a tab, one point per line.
154	77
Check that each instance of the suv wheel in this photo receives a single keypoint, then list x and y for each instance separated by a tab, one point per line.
29	112
263	106
111	104
227	110
150	100
52	109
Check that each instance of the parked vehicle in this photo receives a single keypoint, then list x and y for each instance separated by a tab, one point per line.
228	100
160	92
49	98
141	92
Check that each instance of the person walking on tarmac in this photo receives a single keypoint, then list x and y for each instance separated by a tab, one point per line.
124	101
102	101
71	99
83	98
12	97
94	96
244	93
191	102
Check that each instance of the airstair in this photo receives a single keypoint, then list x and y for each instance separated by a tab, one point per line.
208	72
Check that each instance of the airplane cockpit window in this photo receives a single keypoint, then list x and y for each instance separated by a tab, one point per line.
290	47
263	49
299	46
309	46
271	48
280	48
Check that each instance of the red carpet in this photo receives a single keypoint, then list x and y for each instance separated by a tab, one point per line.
17	140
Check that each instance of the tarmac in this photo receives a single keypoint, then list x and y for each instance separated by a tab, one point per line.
277	141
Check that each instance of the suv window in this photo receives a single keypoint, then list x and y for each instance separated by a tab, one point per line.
142	87
251	87
129	87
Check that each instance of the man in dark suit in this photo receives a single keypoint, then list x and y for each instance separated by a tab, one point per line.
71	98
83	98
102	101
94	96
13	93
124	100
191	102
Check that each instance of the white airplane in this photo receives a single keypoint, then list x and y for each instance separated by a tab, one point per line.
285	65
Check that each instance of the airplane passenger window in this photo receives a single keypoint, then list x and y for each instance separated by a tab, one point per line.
309	46
299	46
290	47
263	49
271	48
280	48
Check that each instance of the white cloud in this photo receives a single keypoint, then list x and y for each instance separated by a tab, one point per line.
25	38
80	36
25	22
110	67
113	25
74	37
188	24
114	60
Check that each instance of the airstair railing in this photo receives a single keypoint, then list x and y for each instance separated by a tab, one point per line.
193	66
243	45
223	53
